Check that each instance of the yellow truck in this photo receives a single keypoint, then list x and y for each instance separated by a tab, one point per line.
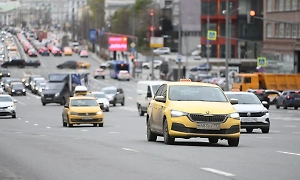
279	82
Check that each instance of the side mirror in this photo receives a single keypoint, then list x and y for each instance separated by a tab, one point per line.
234	101
264	102
149	95
160	99
66	106
15	101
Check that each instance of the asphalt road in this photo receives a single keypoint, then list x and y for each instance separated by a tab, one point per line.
36	146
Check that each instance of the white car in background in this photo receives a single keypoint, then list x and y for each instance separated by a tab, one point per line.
1	90
162	50
156	64
102	100
124	75
7	106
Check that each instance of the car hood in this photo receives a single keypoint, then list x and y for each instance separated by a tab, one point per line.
50	91
202	107
5	104
249	107
85	109
110	95
102	100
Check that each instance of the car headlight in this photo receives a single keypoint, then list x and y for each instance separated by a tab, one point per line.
0	74
24	90
40	90
99	112
234	116
73	113
57	94
175	113
11	106
26	84
12	90
7	74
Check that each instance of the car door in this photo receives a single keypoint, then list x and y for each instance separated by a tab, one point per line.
65	111
161	109
280	99
154	116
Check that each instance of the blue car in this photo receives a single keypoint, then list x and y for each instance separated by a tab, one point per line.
289	98
45	53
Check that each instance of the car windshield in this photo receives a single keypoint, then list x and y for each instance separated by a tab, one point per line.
84	102
4	71
244	98
99	95
294	95
17	86
58	86
5	98
196	93
155	88
109	91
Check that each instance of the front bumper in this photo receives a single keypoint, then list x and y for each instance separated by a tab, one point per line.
183	127
75	119
255	122
50	99
7	111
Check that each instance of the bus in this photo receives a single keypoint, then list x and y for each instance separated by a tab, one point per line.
116	66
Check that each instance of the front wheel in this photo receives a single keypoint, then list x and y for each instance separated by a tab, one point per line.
295	108
64	123
63	101
123	102
277	105
14	115
150	135
141	112
167	138
265	130
213	140
233	142
249	130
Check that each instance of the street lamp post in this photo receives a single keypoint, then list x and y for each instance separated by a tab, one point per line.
227	46
152	35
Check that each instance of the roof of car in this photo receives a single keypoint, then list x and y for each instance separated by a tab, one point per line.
230	92
191	84
97	92
82	97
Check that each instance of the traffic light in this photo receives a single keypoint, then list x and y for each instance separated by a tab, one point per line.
250	17
151	28
151	12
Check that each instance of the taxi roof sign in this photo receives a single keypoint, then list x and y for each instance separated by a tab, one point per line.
185	80
235	90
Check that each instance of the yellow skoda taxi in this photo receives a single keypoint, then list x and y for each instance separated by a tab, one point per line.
82	110
188	109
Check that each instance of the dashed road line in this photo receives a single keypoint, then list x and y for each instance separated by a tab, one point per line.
84	130
274	131
262	137
290	153
296	132
18	132
218	172
27	121
48	127
35	124
21	103
77	138
291	126
129	97
114	132
128	149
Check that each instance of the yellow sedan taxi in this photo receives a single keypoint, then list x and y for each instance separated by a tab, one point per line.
83	64
82	110
188	109
68	51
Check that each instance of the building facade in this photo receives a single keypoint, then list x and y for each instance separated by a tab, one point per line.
281	45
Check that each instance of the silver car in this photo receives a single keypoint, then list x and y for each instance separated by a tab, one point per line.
124	75
7	106
252	112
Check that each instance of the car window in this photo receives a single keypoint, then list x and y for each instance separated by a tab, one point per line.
109	91
159	91
84	102
5	99
244	98
196	93
100	95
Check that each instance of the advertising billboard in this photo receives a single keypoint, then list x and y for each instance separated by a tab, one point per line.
117	43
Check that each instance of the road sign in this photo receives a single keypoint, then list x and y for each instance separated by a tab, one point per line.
212	35
156	42
179	57
261	62
93	34
132	45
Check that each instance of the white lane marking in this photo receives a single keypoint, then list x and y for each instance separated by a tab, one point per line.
27	121
42	135
291	126
18	132
84	130
274	131
48	127
114	132
262	137
21	103
36	124
78	138
218	172
129	97
296	132
128	149
290	153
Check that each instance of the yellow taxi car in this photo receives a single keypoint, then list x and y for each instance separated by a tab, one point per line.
82	110
83	64
68	51
188	109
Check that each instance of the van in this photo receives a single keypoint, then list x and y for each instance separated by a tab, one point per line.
145	91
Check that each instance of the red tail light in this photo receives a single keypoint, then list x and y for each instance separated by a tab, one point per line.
288	97
269	96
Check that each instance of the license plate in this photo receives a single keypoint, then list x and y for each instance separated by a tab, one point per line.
208	126
249	119
18	92
87	118
48	98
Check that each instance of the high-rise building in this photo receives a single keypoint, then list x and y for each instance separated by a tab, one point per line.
281	45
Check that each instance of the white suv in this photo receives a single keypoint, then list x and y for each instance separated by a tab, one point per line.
156	64
7	106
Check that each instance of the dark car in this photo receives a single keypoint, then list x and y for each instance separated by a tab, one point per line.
115	95
54	93
17	89
68	64
4	73
14	62
289	98
273	96
32	53
262	95
34	63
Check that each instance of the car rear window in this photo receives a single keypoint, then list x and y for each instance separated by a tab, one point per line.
294	95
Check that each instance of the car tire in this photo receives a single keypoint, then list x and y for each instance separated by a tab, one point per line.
213	140
63	101
103	77
64	123
107	110
14	115
95	125
150	135
277	105
295	108
167	138
265	130
101	125
233	142
141	112
249	130
123	102
284	105
115	102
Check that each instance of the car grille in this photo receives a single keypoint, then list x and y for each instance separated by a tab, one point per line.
48	95
207	118
252	114
87	114
3	107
